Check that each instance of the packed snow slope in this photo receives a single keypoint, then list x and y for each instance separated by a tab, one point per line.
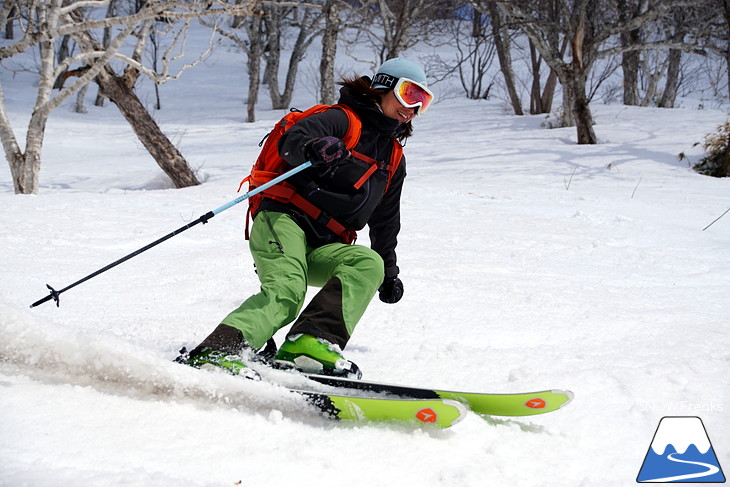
529	262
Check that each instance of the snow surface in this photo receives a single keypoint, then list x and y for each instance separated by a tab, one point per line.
529	262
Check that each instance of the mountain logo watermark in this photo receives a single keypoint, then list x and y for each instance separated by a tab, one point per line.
681	452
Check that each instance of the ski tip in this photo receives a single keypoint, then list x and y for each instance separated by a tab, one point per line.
461	407
566	393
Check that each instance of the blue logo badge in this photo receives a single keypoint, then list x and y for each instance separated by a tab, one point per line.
681	452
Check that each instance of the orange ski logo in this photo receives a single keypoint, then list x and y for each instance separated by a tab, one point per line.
426	415
536	403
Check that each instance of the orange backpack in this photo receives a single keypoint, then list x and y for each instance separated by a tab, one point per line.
269	165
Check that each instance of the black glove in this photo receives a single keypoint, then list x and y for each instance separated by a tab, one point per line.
325	151
391	290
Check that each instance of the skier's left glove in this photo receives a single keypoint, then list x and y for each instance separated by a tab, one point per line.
391	290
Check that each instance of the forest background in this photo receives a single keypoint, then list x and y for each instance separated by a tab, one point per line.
529	53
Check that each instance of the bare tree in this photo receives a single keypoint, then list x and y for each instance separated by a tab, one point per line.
254	50
262	43
393	26
329	51
716	37
503	33
306	20
475	53
541	99
580	28
630	58
656	65
43	23
588	25
725	9
7	19
502	41
120	90
252	44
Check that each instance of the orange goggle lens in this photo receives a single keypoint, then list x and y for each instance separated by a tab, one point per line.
413	94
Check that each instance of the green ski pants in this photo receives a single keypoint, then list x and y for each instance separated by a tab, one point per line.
349	276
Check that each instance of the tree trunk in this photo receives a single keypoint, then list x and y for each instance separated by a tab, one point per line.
548	92
62	53
24	167
397	19
652	81
254	30
9	25
79	106
254	76
502	43
580	110
553	39
576	80
584	122
306	24
535	96
543	102
674	61
272	54
630	60
727	67
568	104
726	15
120	91
299	50
630	68
329	50
672	85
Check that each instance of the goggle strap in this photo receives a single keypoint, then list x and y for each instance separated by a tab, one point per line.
385	80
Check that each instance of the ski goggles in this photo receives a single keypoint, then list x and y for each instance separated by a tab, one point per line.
412	94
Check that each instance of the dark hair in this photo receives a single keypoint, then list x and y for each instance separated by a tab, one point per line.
362	91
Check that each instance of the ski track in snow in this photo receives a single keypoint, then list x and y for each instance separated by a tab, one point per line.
55	356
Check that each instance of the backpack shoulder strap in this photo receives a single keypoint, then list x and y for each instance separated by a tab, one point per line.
354	129
396	155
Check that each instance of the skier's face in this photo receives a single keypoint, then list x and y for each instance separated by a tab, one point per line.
392	108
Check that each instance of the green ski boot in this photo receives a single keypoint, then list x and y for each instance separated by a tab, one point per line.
315	356
209	359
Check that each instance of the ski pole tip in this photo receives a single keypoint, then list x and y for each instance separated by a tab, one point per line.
52	295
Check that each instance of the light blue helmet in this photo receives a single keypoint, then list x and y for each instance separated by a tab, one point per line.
393	69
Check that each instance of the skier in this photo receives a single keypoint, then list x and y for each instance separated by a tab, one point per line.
292	250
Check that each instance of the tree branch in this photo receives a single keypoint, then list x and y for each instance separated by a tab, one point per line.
152	10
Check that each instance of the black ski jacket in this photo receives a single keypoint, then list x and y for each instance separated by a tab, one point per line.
332	190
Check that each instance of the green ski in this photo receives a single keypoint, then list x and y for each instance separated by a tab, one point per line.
442	413
493	404
436	412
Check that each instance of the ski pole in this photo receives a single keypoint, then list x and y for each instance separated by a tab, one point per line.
203	219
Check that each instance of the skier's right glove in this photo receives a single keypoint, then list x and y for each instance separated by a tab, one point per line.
391	290
325	151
